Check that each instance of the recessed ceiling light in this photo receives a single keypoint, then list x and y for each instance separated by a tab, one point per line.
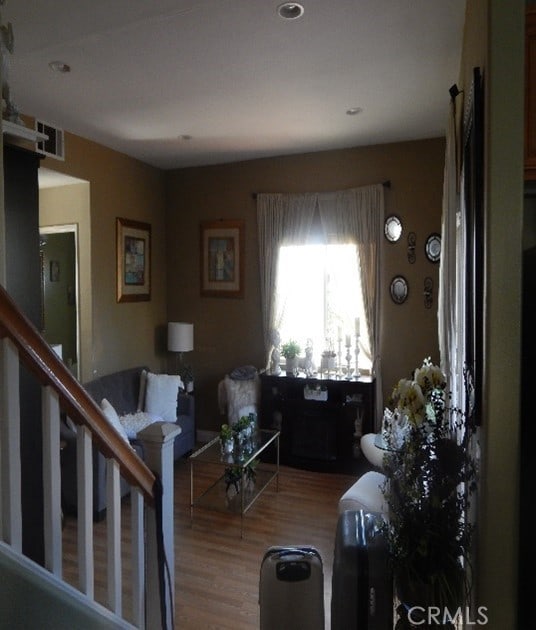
59	66
354	110
290	10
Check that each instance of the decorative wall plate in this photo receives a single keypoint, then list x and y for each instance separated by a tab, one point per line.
399	289
393	228
432	247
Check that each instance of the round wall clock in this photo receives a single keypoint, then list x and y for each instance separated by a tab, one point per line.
432	247
393	228
399	289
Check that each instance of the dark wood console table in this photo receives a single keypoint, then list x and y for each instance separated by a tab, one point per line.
320	419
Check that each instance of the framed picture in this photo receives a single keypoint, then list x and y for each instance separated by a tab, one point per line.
133	260
222	258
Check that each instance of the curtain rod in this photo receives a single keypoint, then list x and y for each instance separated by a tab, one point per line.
385	184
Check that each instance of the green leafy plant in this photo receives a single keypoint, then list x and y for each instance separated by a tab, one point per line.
242	423
233	475
226	432
186	373
290	349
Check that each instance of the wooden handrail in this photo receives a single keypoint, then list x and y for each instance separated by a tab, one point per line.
49	369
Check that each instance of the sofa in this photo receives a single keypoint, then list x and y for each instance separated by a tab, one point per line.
122	391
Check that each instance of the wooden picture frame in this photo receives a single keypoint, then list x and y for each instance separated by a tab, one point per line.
133	260
222	258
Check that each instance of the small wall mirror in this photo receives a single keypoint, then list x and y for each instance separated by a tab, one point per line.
432	247
399	289
393	228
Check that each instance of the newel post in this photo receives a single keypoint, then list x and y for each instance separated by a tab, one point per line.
157	440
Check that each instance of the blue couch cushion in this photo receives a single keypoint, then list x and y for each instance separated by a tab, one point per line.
121	389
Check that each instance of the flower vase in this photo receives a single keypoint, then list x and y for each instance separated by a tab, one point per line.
327	364
417	597
292	366
227	446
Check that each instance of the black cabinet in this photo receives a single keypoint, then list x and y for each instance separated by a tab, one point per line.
320	420
23	283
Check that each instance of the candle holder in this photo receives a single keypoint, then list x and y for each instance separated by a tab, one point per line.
348	359
339	358
357	372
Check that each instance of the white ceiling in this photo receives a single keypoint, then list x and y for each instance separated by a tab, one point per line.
242	82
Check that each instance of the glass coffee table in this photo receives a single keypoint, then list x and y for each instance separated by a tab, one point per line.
241	478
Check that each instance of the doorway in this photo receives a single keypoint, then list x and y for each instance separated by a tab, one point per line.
59	290
65	206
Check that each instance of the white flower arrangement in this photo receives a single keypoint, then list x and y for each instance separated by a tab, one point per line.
429	377
430	476
417	399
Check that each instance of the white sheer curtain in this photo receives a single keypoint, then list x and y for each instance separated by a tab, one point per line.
350	216
281	220
449	299
356	216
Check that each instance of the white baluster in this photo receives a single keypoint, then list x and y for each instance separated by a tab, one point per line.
113	534
84	474
138	559
52	481
10	447
157	440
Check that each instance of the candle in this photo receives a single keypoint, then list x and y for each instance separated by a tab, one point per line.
348	341
357	328
339	331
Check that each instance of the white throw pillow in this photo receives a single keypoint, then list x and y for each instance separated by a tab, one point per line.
161	395
133	423
112	417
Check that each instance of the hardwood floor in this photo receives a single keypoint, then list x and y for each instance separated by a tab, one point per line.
217	572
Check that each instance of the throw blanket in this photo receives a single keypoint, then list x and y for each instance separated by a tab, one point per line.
238	397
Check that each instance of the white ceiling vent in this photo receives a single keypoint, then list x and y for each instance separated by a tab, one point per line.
53	146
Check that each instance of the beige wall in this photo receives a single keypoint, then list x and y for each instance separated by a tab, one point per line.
228	332
126	334
494	41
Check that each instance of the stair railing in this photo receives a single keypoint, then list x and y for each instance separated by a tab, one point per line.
62	393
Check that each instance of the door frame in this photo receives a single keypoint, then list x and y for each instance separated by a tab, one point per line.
62	229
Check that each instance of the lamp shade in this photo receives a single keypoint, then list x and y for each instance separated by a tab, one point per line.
180	337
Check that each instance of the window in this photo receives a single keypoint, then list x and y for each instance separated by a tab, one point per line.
318	297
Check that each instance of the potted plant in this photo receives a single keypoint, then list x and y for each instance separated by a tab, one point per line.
430	477
290	350
234	476
226	439
187	377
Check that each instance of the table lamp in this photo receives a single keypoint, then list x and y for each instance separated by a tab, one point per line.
181	339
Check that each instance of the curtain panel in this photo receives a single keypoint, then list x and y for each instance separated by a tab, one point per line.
450	266
348	216
281	220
